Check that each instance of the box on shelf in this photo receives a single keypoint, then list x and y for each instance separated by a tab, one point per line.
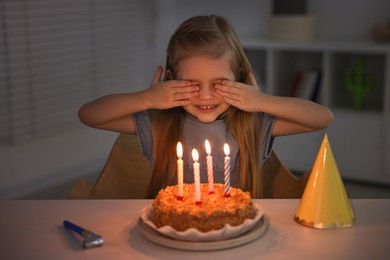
295	28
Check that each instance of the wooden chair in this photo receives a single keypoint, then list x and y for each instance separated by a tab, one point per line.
126	175
279	182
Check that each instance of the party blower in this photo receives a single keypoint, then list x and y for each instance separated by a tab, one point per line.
90	239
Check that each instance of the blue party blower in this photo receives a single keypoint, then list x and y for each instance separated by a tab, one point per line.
90	239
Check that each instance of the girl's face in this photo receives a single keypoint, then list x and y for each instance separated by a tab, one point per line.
206	72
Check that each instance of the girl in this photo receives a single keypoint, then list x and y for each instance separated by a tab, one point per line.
208	92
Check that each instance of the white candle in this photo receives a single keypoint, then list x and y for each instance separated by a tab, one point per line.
195	157
227	170
179	151
210	173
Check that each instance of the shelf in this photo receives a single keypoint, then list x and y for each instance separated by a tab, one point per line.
288	63
258	61
359	135
342	65
277	64
318	45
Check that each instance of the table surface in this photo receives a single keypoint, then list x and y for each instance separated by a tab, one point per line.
32	229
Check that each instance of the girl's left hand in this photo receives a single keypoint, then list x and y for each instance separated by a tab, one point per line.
243	96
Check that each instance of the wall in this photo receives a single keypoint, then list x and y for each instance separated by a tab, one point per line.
73	154
33	166
347	19
87	48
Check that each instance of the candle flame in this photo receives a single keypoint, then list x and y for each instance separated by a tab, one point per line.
195	155
226	149
208	148
179	150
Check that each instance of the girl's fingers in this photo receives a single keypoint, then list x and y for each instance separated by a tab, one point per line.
231	84
229	87
252	79
185	95
157	75
180	83
238	85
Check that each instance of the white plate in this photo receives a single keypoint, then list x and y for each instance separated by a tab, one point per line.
194	235
258	229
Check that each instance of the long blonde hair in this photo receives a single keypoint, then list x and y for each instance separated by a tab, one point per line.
212	36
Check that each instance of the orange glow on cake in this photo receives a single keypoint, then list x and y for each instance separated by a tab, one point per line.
214	211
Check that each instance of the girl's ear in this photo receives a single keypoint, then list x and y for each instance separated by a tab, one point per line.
169	74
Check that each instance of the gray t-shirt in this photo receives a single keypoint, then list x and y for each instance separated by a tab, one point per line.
195	134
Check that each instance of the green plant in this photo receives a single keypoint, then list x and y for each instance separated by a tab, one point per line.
358	83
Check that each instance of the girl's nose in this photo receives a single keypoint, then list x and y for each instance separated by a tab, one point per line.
206	91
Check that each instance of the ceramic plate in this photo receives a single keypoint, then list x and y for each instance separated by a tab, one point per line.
250	232
152	235
194	235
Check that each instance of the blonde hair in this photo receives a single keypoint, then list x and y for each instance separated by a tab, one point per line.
212	36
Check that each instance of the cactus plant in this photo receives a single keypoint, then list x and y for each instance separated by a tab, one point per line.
358	83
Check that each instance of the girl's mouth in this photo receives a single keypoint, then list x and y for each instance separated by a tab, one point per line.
207	107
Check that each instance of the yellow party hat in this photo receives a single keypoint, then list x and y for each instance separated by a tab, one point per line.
325	203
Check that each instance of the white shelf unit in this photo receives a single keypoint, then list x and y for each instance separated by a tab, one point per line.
360	139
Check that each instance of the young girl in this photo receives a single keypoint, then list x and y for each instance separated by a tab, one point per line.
209	92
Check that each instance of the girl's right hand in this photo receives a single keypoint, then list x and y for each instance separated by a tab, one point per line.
170	93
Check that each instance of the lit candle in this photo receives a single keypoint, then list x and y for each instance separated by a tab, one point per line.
210	173
227	170
195	157
179	151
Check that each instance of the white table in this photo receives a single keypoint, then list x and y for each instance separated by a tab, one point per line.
32	229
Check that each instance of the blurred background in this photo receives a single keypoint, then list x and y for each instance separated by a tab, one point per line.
56	55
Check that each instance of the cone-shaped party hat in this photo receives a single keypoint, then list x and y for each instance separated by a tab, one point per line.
325	203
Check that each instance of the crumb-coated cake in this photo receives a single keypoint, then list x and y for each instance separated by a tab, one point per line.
214	211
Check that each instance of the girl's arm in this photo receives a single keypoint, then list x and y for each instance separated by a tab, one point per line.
114	112
293	115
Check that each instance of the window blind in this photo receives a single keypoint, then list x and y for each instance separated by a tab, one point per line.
56	55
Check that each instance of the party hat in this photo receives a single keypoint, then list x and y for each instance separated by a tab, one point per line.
324	203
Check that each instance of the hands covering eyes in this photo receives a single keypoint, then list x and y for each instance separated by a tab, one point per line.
174	93
171	93
243	96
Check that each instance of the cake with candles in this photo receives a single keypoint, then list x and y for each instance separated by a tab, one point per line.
214	210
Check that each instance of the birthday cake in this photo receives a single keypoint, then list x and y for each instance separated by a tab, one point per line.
213	212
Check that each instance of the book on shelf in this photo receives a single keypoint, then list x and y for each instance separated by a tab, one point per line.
317	87
296	83
307	84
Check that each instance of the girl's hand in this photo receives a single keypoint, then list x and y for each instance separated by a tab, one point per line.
243	96
171	93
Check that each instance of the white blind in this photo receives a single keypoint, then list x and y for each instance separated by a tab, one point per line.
58	54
